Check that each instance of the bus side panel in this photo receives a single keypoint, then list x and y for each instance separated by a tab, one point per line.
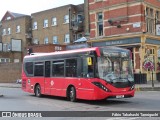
85	89
58	86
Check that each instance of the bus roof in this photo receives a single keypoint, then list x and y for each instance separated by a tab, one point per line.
65	52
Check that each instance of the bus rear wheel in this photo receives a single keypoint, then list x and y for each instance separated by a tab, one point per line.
38	91
72	94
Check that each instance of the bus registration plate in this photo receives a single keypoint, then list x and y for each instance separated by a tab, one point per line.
120	96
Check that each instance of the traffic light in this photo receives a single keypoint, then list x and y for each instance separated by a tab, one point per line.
29	51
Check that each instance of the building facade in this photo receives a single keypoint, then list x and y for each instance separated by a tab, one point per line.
15	36
132	24
61	25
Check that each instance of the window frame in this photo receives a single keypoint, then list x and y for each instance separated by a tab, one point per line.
54	21
66	19
46	42
100	32
8	31
35	25
67	38
45	23
53	39
4	31
18	29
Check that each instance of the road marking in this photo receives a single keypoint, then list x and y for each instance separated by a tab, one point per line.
123	118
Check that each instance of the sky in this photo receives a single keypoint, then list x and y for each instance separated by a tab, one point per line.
31	6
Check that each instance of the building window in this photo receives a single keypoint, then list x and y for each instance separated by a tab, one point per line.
45	23
35	41
8	18
34	27
100	24
79	18
46	40
66	19
4	60
9	31
66	39
55	40
4	32
157	22
18	29
54	21
150	20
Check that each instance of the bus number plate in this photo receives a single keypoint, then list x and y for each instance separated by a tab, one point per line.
120	96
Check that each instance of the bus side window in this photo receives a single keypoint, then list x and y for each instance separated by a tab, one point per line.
29	68
38	69
71	68
58	68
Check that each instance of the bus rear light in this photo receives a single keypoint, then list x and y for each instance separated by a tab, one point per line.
100	85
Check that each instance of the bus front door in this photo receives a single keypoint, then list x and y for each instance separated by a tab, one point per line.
47	79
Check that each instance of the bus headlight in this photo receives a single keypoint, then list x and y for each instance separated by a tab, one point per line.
132	88
101	86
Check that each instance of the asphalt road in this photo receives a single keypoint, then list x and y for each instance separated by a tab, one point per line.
15	99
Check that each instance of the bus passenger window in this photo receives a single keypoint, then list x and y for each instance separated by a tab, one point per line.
29	68
39	69
71	68
58	68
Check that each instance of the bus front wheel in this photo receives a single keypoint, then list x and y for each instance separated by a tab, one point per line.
38	91
72	94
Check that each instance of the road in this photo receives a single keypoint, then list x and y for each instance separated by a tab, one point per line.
15	99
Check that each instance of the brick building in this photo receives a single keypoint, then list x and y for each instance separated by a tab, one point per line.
132	24
61	25
15	36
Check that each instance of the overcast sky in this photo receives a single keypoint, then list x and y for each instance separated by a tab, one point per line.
31	6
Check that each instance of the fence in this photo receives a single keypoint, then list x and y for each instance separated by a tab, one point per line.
140	78
10	72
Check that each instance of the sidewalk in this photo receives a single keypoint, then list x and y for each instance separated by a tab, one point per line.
10	85
148	87
139	87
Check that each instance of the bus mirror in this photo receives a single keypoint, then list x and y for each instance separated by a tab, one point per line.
89	60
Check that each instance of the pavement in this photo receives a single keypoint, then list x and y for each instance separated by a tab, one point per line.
139	87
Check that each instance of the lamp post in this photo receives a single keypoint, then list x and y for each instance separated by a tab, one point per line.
152	80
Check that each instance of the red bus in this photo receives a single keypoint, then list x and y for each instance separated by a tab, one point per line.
90	73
